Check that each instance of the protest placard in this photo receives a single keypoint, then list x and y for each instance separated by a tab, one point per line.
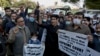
73	44
33	50
91	52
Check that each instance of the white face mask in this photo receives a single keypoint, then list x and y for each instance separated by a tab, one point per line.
44	20
13	20
34	38
21	27
68	22
77	21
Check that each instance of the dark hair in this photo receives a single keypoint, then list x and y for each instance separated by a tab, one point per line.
34	33
87	18
17	18
14	13
37	7
6	8
56	16
69	13
79	13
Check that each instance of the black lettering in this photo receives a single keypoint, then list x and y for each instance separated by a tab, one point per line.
81	37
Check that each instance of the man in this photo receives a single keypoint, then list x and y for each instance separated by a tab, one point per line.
19	36
11	23
2	40
95	43
51	41
31	23
23	11
75	25
7	17
45	21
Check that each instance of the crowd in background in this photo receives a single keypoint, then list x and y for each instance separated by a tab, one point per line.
19	28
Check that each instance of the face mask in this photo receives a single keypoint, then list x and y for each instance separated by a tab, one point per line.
77	21
13	20
68	22
21	27
34	38
31	19
44	20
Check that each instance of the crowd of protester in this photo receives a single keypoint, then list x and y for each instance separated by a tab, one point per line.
18	28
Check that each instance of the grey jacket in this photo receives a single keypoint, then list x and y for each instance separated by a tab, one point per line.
18	40
33	27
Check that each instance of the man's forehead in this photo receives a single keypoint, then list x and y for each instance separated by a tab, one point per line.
21	19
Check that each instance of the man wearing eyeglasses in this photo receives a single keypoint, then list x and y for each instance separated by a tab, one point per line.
19	36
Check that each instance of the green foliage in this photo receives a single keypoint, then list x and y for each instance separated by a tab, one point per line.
92	4
26	3
8	3
4	3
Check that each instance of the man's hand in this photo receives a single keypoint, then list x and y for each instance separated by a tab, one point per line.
90	38
16	30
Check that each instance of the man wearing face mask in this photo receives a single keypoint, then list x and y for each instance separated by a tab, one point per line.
74	25
11	23
51	40
19	36
31	23
95	43
78	27
45	21
68	22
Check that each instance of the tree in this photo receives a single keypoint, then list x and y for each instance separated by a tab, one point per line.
25	2
91	4
4	3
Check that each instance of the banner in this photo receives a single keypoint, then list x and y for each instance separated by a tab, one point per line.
73	44
91	52
33	50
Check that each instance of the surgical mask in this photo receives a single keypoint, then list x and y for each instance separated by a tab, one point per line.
68	22
21	27
77	21
44	20
13	20
31	19
34	38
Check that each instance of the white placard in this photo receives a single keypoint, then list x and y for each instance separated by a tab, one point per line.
33	50
73	44
91	52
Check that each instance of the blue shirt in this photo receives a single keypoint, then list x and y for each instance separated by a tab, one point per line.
34	41
9	25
